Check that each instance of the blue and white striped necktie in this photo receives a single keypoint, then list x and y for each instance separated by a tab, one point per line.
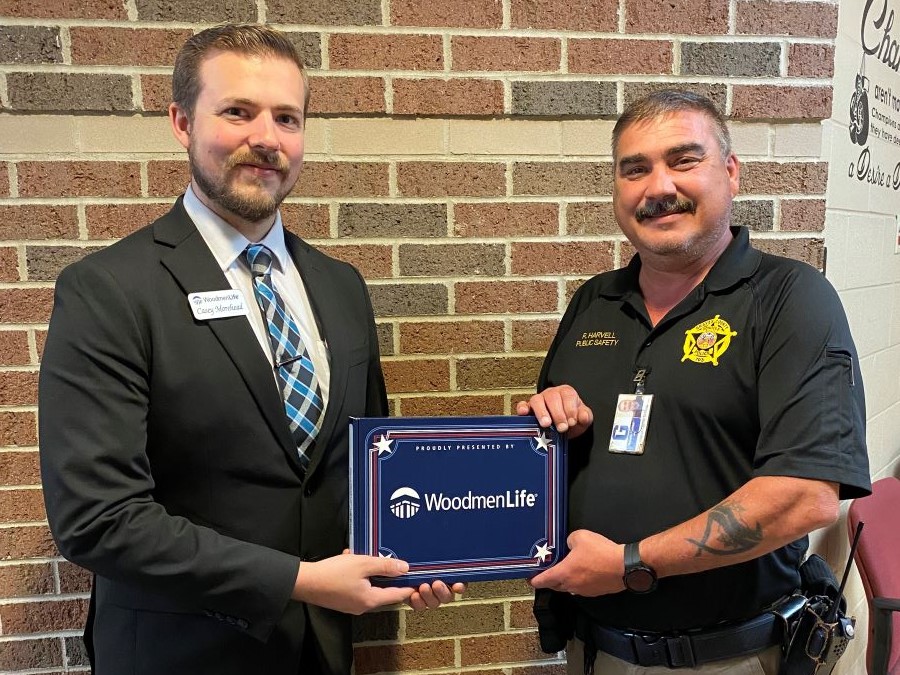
294	368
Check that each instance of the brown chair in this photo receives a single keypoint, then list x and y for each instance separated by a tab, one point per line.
878	560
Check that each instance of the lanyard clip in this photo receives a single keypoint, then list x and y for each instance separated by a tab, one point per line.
640	378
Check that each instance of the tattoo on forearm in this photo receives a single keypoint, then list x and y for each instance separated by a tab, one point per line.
732	535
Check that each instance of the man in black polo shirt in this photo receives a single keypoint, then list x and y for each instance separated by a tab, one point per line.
713	399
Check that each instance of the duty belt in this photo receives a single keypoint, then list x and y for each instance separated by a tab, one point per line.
682	650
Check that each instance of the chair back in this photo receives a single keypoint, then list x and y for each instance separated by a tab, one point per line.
878	556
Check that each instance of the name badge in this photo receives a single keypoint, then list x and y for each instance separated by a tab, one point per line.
208	305
630	424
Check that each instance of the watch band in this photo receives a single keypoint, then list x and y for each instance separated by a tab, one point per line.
632	555
639	577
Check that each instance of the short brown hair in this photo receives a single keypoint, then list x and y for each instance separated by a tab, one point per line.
666	102
243	38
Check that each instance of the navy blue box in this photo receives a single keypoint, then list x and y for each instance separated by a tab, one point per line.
458	498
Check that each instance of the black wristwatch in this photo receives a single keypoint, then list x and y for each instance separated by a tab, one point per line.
639	577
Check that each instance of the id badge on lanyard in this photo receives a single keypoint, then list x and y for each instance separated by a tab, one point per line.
632	417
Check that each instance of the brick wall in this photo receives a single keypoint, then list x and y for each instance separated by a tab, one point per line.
458	154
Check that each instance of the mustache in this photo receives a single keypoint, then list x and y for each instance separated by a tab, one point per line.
266	160
655	208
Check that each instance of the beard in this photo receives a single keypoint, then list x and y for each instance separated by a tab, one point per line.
250	201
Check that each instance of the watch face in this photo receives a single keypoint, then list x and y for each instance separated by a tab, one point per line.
640	580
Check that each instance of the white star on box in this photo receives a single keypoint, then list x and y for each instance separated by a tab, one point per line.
543	551
382	555
543	443
384	445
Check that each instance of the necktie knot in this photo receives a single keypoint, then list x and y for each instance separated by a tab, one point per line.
259	258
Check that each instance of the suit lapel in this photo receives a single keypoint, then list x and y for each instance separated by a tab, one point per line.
194	267
327	310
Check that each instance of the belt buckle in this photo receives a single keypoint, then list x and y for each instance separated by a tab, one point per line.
659	650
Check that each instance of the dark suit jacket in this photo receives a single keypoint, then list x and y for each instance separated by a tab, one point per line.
168	467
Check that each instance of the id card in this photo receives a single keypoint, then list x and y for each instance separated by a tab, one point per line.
630	424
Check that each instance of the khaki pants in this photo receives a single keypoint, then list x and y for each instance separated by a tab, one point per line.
764	663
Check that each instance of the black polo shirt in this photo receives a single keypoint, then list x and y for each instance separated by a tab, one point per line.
753	374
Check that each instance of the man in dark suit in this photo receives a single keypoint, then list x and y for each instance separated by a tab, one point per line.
195	393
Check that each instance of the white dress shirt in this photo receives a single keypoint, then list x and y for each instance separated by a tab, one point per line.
227	246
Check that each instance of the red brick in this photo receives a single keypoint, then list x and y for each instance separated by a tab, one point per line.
808	250
695	17
469	14
808	19
9	271
29	541
18	388
4	180
167	178
307	220
442	179
21	506
436	406
46	262
802	215
511	648
156	92
610	57
505	219
27	654
451	337
73	579
386	52
19	581
521	614
533	336
591	218
40	339
504	54
64	9
19	468
79	179
579	257
448	97
579	15
509	588
41	617
562	178
784	178
37	221
548	669
572	285
781	103
26	305
18	429
113	221
416	376
14	347
497	372
454	619
404	657
373	261
343	179
94	45
346	95
505	297
806	60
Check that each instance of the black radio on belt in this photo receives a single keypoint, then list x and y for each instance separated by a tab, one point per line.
821	632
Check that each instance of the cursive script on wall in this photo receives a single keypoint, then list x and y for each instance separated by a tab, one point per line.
876	37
